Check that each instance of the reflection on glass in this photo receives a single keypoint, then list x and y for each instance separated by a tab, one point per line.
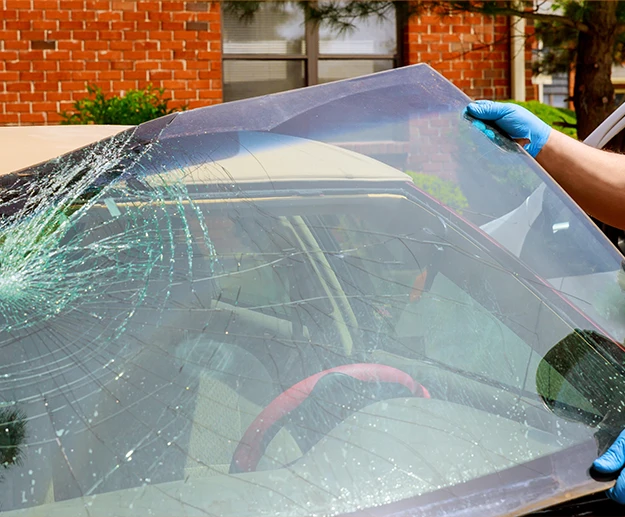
335	69
244	79
372	35
275	28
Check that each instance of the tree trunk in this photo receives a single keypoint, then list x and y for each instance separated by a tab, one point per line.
594	94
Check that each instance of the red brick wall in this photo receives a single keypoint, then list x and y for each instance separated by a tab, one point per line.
49	49
471	50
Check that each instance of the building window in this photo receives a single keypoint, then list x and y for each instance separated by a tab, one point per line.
278	50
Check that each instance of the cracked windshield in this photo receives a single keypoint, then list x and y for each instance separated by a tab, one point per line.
313	303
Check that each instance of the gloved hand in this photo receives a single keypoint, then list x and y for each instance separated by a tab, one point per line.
518	122
611	461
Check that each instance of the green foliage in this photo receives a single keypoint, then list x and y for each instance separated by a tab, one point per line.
12	435
135	107
445	191
561	119
560	40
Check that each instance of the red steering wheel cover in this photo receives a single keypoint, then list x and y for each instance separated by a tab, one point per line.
249	450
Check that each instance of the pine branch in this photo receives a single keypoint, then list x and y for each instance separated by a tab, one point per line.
496	9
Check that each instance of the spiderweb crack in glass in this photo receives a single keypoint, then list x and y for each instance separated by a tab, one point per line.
46	264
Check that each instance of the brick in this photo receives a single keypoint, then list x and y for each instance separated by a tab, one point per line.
86	35
98	5
121	45
43	106
63	75
110	55
195	45
97	65
112	75
209	17
16	85
42	45
61	55
17	4
84	76
159	16
13	14
135	35
108	16
71	5
208	36
147	65
109	35
57	96
209	74
19	107
122	65
87	16
71	25
196	26
123	5
33	118
187	74
122	26
184	17
160	74
50	14
73	65
32	76
148	26
123	85
133	16
9	119
136	75
183	94
18	65
160	55
12	96
46	25
96	25
84	55
177	5
17	26
72	86
46	66
185	54
59	35
196	6
145	45
172	65
173	26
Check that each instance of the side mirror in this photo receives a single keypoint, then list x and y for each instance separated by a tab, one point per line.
582	378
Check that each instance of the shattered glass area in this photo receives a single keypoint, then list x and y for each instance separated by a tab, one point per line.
299	305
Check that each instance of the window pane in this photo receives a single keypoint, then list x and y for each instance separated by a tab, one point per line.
243	79
335	69
275	28
372	35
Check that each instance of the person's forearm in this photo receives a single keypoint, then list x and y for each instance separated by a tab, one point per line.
594	179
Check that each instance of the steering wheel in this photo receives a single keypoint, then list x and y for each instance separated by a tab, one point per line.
263	429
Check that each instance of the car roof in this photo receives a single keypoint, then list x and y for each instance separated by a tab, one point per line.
23	146
269	157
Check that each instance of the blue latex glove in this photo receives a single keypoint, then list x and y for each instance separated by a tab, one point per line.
518	122
611	461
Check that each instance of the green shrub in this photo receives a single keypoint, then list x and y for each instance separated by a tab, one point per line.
552	116
445	191
135	107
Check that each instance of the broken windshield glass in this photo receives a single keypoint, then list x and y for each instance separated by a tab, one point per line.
331	300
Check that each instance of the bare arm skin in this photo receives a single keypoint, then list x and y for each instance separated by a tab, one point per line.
594	179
